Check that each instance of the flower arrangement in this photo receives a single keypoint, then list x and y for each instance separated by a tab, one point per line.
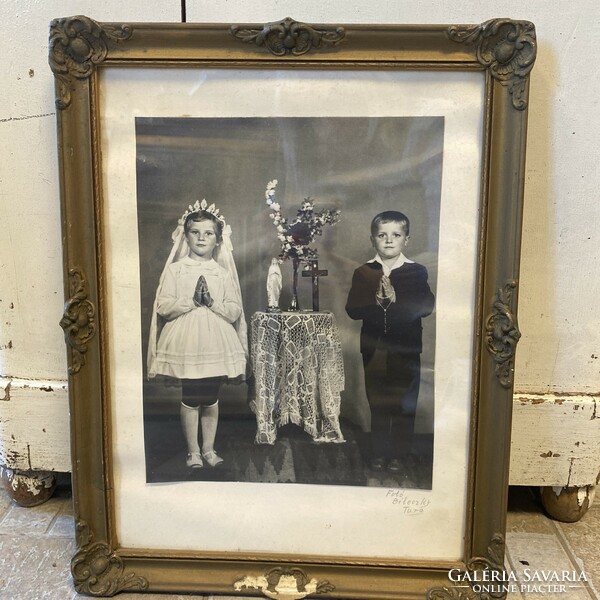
295	236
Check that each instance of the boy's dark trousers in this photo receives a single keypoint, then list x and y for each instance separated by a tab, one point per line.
392	381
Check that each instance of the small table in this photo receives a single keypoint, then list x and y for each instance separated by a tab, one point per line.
299	371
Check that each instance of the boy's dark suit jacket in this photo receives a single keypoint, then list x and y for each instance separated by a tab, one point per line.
414	300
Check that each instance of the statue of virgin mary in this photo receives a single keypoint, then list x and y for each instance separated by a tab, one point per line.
273	286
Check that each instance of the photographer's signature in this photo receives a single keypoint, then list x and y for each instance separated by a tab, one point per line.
409	502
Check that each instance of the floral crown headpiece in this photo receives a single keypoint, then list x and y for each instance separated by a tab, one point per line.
202	205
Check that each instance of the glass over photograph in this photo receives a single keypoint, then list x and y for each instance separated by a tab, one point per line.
291	292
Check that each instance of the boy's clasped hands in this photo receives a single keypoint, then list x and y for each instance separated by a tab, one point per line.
202	296
386	289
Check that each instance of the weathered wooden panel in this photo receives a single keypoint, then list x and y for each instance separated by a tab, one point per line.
555	440
31	294
34	425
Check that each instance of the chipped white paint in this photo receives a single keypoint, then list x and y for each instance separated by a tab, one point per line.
34	425
588	492
29	484
32	484
555	440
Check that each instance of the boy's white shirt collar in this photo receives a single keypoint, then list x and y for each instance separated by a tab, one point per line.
399	262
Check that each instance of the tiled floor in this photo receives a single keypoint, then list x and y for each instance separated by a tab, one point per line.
536	542
36	545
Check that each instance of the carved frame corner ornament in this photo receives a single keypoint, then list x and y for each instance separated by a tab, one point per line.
286	37
76	46
78	321
97	571
507	48
494	561
502	334
284	583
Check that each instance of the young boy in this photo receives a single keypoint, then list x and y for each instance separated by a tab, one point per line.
390	294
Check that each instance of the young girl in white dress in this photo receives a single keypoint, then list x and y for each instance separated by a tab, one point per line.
204	338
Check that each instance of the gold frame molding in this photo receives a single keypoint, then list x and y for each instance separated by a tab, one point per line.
504	51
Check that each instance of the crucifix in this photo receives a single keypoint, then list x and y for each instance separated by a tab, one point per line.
312	270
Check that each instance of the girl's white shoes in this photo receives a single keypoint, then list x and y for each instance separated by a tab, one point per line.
212	458
194	460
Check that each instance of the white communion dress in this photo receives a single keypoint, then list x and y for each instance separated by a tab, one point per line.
196	341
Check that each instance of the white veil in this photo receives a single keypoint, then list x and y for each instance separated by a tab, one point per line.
223	255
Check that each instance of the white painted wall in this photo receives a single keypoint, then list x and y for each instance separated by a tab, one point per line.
560	277
31	288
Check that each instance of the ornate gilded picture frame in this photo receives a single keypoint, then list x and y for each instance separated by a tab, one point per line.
343	171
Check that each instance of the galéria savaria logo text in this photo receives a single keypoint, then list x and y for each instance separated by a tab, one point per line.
529	580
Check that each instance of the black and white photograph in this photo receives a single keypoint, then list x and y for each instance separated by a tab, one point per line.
288	281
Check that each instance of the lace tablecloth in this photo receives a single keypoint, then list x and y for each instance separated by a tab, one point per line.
299	372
